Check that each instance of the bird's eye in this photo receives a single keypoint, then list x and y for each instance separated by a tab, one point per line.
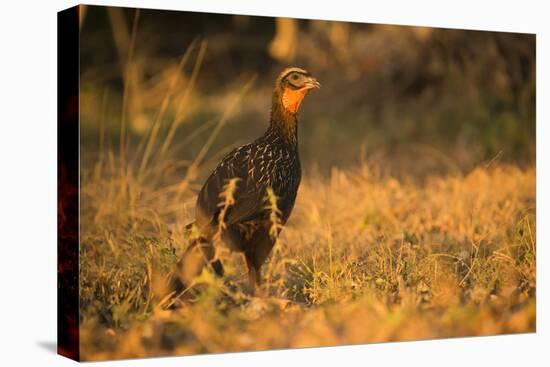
295	77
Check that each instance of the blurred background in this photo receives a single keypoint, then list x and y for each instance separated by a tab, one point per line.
416	212
411	101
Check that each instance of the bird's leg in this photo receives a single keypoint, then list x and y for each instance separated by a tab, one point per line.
200	253
209	253
258	276
252	280
258	280
218	267
253	273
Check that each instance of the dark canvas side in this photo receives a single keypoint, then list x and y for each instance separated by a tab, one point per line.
67	183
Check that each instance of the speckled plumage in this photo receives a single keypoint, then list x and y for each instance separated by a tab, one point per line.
271	161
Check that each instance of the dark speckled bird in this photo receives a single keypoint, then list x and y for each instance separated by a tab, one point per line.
269	162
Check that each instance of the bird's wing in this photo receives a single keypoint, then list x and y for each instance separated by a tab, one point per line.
248	195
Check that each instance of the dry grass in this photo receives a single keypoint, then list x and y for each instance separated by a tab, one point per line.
363	259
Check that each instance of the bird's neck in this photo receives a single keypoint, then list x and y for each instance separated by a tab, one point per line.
283	123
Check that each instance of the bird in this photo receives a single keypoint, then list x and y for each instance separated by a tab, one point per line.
269	164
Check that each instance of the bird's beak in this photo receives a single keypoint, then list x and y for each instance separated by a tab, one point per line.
312	83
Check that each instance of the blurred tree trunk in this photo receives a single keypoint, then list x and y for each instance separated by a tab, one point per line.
283	45
82	15
338	34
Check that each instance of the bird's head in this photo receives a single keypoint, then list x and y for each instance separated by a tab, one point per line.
291	87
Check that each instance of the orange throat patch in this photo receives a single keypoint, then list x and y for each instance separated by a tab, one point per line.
292	98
